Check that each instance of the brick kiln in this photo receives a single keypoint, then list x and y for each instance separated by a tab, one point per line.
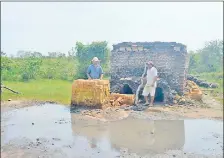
128	61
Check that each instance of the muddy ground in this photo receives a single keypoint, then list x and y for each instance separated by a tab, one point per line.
44	129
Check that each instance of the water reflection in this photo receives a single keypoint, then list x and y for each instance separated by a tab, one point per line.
89	137
138	135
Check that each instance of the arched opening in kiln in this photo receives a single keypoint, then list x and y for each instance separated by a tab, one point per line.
159	95
126	89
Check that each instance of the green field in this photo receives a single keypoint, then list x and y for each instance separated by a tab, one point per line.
42	90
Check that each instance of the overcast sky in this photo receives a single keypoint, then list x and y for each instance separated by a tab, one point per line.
57	26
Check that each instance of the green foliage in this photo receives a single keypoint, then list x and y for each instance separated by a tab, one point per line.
207	59
30	68
207	64
33	65
10	69
25	69
85	53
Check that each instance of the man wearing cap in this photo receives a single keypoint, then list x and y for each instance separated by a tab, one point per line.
95	71
151	84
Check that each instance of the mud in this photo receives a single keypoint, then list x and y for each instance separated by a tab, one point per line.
52	130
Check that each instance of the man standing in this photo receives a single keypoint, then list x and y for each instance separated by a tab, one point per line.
95	71
151	84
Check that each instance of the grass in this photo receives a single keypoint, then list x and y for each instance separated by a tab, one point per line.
214	77
42	90
60	91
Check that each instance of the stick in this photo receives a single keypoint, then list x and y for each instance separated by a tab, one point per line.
140	86
2	86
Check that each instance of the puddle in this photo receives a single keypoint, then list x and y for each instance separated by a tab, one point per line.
93	138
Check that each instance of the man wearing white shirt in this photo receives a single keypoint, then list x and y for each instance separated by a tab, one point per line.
151	83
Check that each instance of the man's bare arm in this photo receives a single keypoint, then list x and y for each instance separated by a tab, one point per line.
89	76
101	76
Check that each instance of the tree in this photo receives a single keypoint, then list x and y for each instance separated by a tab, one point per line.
37	55
85	53
31	67
72	52
207	59
56	54
24	54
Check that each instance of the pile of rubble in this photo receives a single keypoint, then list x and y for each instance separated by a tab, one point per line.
202	83
192	93
121	99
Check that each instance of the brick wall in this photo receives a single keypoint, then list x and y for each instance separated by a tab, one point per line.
170	59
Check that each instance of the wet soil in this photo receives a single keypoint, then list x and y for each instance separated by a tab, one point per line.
34	129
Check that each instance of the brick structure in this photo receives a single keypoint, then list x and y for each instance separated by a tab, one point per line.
170	59
90	93
96	94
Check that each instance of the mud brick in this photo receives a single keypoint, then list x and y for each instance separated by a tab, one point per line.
127	99
194	90
91	93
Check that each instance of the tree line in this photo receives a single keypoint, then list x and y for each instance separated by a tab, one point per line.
208	59
29	65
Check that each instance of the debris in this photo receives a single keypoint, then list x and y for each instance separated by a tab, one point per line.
121	99
202	83
32	123
56	139
214	85
2	86
193	91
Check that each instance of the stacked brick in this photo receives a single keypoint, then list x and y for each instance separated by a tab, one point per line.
96	94
117	99
90	93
